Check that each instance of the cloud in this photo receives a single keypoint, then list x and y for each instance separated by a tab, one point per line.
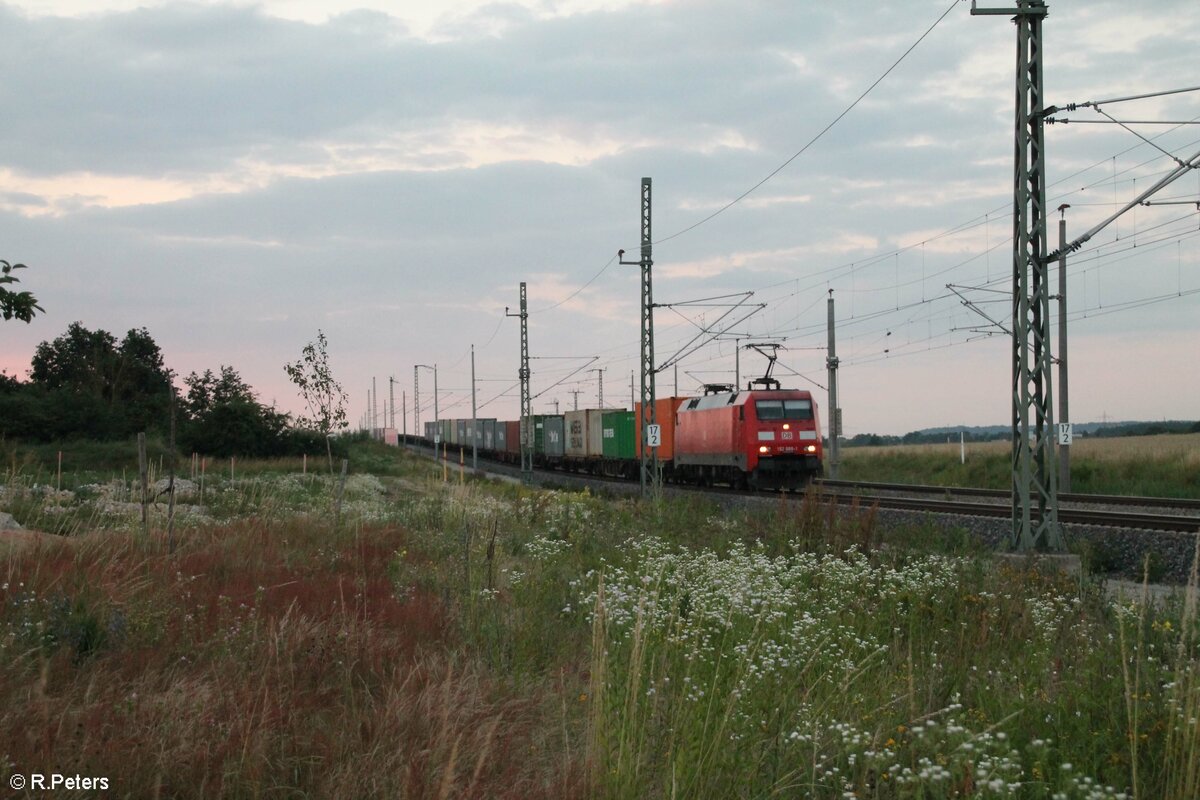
234	176
786	260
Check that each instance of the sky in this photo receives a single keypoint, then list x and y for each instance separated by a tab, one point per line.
236	176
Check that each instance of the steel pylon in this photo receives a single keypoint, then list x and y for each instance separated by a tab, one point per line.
526	397
650	477
1034	478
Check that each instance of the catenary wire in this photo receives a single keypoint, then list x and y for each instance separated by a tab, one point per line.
816	138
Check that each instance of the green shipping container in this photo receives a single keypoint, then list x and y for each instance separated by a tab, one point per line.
548	435
617	429
539	432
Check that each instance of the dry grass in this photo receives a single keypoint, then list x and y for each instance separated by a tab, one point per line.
1166	465
259	659
1182	447
941	449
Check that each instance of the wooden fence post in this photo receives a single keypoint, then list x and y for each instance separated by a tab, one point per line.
337	511
144	479
171	482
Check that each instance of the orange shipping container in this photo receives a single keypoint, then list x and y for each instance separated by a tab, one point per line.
665	409
512	437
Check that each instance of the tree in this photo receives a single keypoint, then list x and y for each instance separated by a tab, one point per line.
88	384
22	305
324	396
207	391
225	418
129	378
141	371
81	360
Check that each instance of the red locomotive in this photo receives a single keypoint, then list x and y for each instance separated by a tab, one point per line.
756	438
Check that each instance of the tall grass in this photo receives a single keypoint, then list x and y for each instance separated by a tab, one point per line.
835	677
479	640
1178	666
264	657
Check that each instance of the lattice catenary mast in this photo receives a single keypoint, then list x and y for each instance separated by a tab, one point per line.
649	471
526	398
1034	478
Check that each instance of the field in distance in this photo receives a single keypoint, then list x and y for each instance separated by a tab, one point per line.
1165	465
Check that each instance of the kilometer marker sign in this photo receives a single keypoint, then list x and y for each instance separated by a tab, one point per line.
653	435
1066	433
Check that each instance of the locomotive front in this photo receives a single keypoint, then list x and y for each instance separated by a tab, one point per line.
783	439
759	438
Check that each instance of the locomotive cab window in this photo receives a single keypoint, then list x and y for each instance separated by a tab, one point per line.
783	409
797	409
769	409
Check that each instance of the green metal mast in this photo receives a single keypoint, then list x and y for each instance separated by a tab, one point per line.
1034	477
648	421
526	399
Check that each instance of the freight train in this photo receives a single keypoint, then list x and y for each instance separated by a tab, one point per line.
751	438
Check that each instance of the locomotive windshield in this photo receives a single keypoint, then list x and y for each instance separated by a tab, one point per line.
783	409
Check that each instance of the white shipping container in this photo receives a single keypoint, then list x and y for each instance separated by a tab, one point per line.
585	433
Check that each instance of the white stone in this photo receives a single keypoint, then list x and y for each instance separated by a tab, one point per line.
182	486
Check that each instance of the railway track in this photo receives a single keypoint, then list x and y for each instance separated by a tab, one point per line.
1147	517
1078	509
1110	518
1181	503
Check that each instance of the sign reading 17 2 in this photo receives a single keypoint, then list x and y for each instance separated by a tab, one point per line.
1066	433
653	435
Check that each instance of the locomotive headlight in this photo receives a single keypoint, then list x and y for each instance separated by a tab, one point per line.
762	448
812	448
787	427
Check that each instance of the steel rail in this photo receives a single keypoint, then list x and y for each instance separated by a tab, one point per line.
1072	516
972	491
